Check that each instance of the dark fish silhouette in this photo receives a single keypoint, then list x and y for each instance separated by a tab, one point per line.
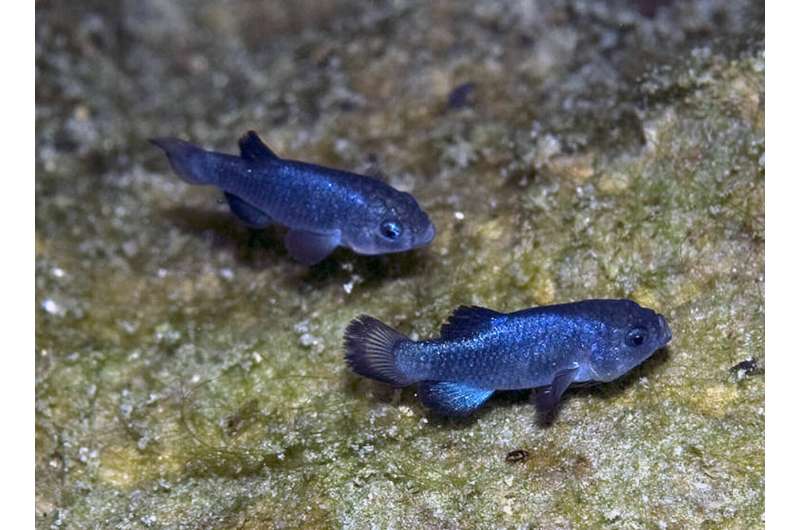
323	208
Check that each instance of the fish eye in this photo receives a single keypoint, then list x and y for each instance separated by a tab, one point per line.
391	229
636	337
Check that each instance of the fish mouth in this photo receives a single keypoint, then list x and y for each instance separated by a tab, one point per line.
427	236
664	330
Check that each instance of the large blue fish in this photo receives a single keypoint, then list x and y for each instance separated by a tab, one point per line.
481	351
323	208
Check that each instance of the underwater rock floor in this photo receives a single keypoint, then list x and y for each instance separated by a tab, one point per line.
190	374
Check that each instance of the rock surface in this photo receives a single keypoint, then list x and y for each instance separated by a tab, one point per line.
190	375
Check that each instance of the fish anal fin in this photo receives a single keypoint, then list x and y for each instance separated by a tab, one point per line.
468	320
452	399
254	149
547	397
246	212
309	248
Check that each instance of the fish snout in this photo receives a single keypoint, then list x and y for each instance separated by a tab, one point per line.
664	329
427	236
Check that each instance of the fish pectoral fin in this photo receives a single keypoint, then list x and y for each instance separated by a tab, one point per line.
310	248
246	212
469	320
547	397
252	148
452	399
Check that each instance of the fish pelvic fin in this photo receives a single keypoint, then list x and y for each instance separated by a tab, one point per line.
371	349
548	397
190	162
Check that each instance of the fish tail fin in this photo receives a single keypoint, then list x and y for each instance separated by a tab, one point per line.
372	350
191	163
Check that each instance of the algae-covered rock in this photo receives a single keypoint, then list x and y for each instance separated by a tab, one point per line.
189	374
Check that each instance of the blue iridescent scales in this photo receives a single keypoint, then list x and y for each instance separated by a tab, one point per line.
481	351
323	208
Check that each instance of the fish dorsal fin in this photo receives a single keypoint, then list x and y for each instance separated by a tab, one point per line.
469	320
253	149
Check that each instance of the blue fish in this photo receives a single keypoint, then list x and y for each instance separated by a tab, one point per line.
323	208
481	351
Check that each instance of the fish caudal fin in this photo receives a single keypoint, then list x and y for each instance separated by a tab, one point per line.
372	350
190	162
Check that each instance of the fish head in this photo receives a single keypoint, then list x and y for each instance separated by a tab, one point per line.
392	221
628	335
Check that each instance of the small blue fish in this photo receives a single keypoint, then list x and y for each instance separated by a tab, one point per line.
323	208
481	351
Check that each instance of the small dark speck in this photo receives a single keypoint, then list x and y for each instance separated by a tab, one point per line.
747	367
648	8
461	96
517	456
347	106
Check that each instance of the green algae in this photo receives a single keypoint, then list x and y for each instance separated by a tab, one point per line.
189	374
